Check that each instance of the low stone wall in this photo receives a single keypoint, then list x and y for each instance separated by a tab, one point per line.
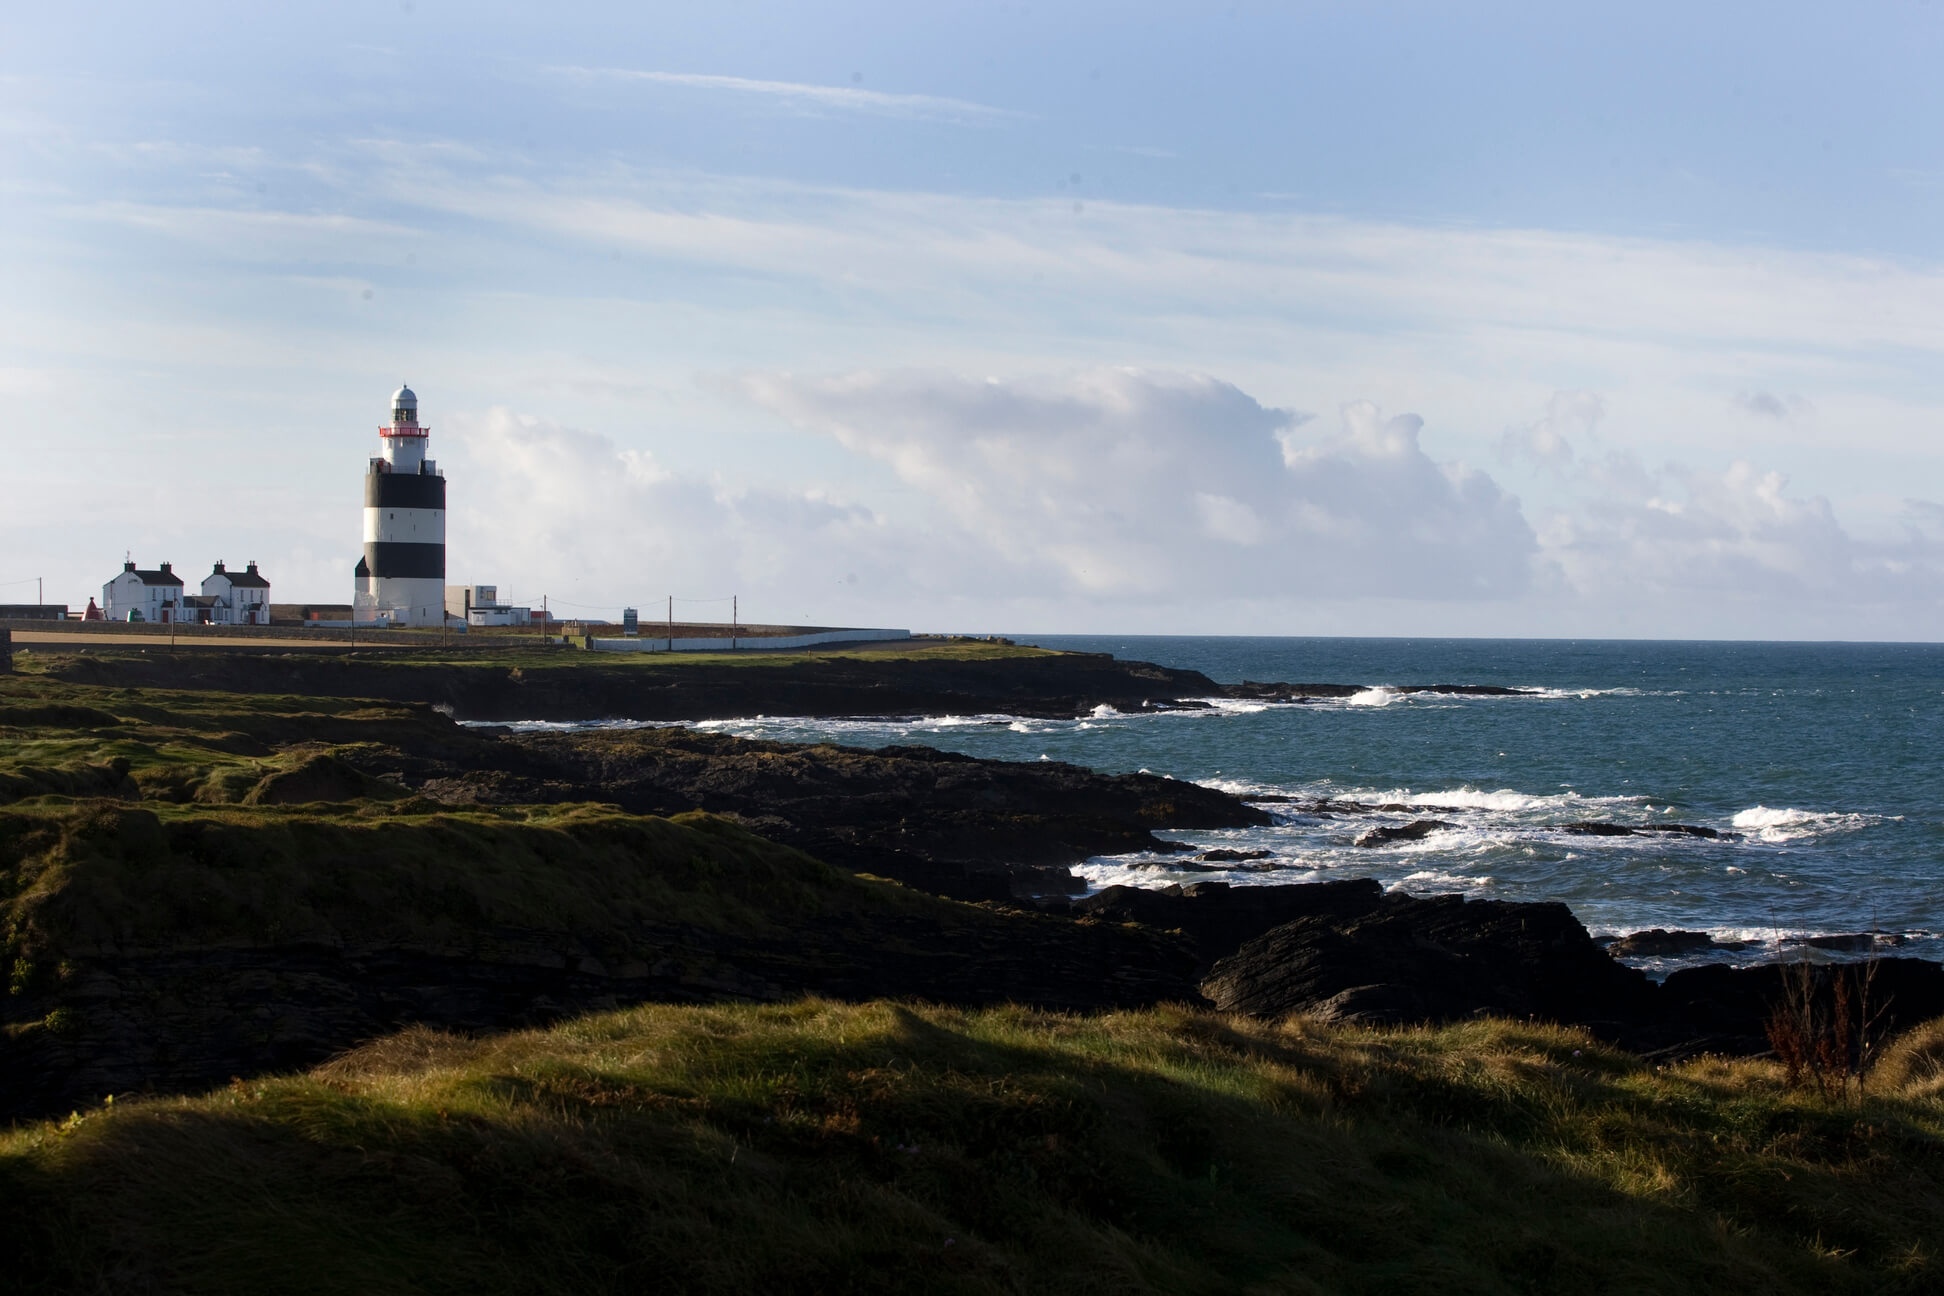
753	643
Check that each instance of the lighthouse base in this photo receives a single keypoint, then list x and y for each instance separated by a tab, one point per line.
399	600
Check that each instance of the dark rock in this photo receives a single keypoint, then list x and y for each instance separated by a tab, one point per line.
1727	1009
1690	830
951	824
1661	943
1588	828
1852	942
1218	918
1416	830
1433	959
1593	828
1031	883
1223	855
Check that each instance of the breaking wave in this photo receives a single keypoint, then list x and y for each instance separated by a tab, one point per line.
1790	824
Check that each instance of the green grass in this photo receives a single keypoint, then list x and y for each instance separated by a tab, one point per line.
424	650
815	1147
574	658
84	879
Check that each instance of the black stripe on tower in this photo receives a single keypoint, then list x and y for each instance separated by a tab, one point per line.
404	490
404	558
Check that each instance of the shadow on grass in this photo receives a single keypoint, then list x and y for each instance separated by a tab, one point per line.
822	1148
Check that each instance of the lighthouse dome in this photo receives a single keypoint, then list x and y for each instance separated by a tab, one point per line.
404	398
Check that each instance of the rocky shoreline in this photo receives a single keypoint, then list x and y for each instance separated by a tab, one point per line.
342	866
565	686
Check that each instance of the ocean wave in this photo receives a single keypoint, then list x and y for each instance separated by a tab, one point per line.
1790	824
1568	694
1424	878
1504	800
1377	696
562	726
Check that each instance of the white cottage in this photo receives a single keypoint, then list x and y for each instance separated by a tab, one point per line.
143	595
236	598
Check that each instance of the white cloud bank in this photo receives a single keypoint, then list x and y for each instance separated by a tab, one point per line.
1136	493
1122	483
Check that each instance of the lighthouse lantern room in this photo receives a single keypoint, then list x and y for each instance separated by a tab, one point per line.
401	577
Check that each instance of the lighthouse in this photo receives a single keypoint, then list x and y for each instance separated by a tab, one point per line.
401	577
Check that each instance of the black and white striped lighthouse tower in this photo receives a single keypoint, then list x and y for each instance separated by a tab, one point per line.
401	577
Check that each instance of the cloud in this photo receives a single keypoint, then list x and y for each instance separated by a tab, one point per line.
1135	484
1735	539
1769	405
1544	441
540	508
798	94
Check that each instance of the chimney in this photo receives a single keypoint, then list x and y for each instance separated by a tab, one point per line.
219	568
129	565
253	570
165	569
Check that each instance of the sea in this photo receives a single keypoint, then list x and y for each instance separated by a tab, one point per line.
1821	764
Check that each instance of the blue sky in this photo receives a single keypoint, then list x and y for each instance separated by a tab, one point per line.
1417	319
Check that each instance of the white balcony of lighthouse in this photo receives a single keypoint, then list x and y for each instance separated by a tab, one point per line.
404	437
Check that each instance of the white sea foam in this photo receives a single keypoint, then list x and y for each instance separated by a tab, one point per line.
1424	878
1377	696
1581	694
1221	706
561	726
1505	800
1791	824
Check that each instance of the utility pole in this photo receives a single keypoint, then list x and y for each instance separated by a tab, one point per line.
733	621
543	618
40	591
671	623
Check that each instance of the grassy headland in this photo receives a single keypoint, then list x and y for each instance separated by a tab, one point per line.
815	1147
198	883
917	678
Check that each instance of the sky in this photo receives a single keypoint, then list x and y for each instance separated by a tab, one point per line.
1599	320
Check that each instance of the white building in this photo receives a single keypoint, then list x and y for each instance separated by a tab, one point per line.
136	595
401	577
479	605
236	598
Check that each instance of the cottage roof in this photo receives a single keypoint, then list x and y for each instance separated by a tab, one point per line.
251	579
161	576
